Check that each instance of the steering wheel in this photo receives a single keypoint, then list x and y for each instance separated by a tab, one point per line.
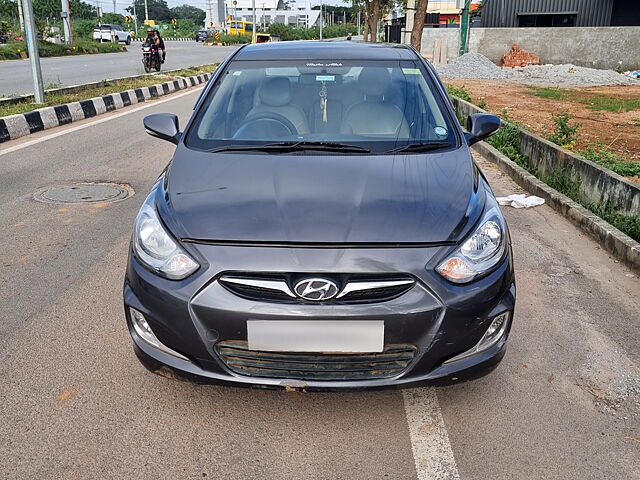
267	125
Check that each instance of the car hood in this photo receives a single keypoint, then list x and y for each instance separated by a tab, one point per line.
292	198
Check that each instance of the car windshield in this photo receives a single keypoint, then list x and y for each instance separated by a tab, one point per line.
378	106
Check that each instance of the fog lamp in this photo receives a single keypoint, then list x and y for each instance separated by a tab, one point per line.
142	328
492	336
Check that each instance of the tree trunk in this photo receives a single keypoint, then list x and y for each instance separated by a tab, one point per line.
418	24
365	32
374	19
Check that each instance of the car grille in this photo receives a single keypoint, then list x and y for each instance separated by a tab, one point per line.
353	288
393	360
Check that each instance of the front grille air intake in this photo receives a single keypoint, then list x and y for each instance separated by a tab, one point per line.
393	360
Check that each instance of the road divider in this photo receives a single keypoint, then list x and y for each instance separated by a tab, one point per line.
21	124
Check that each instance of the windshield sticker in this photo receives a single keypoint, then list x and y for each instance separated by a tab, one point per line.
411	71
332	64
440	131
237	72
325	78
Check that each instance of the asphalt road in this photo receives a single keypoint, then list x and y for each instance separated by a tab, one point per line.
75	403
15	75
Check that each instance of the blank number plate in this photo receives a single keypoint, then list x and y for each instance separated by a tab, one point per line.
326	336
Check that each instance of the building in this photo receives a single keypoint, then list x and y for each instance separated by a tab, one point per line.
448	11
295	13
560	13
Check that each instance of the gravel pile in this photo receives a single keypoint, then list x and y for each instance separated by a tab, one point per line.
568	75
472	65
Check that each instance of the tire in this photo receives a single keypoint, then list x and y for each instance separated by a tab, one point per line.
147	65
128	42
158	65
117	39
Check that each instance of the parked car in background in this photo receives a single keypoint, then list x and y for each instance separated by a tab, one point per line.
111	33
202	35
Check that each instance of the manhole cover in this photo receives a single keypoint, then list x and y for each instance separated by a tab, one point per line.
84	193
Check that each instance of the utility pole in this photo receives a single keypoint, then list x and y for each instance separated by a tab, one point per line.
321	18
146	11
66	22
20	15
253	36
359	32
34	54
210	15
464	26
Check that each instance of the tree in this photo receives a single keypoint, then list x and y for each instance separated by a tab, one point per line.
187	12
158	10
8	10
418	24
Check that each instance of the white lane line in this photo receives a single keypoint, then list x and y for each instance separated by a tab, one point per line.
432	451
96	122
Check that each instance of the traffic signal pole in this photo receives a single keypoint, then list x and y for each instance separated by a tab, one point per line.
32	48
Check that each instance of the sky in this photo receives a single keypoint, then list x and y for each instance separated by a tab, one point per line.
107	5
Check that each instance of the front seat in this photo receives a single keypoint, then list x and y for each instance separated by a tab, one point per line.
375	117
274	95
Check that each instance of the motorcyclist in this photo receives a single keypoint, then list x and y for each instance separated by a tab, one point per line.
153	37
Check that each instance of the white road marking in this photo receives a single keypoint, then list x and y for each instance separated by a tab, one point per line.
96	122
432	451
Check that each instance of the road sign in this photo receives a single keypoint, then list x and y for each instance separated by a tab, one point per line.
128	18
174	21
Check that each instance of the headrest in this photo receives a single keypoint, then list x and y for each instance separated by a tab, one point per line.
275	92
374	81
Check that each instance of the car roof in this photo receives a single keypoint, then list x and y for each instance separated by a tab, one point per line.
316	50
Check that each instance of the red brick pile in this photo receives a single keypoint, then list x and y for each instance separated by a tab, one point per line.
519	58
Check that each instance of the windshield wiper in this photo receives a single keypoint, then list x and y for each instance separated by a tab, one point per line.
420	147
292	146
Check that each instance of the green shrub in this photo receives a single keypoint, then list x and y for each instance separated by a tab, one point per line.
459	92
507	140
563	132
12	51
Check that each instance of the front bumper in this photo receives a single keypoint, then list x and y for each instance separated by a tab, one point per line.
441	319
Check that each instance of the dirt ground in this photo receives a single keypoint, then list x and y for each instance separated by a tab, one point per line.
618	131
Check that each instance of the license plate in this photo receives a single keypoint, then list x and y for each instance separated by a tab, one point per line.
327	336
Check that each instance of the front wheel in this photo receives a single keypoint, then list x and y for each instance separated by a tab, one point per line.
128	42
147	64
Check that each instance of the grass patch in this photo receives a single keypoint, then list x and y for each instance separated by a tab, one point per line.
105	89
459	92
614	162
611	104
13	50
627	224
507	141
548	93
593	102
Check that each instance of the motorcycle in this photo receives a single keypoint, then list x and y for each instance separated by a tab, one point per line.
150	57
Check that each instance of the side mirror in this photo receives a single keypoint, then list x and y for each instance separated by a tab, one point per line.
164	126
481	126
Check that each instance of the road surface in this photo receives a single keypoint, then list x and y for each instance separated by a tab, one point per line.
75	403
15	75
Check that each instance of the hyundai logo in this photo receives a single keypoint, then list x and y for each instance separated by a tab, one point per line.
316	289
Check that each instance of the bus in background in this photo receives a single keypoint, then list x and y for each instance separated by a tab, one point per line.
240	27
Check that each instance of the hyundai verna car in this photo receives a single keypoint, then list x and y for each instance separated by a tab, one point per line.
321	225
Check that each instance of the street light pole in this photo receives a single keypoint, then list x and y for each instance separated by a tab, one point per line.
321	18
20	15
135	17
34	54
253	36
146	11
66	22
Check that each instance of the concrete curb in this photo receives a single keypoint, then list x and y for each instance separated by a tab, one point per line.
621	246
21	124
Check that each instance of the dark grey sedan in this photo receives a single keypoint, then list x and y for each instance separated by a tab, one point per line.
321	225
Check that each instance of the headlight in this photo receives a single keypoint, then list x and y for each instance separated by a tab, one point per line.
155	247
479	253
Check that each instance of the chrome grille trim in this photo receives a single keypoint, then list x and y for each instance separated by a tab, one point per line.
274	285
372	285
